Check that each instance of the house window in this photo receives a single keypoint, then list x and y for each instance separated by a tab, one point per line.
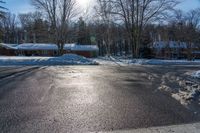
44	52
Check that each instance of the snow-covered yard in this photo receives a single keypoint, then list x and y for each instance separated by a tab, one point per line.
68	59
73	59
126	62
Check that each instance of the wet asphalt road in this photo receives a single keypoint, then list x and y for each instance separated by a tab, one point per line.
88	98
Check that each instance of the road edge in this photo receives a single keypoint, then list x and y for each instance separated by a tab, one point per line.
186	128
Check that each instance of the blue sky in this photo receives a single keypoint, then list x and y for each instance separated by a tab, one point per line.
189	4
19	6
23	6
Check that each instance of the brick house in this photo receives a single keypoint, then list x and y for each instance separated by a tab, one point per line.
7	49
36	49
174	50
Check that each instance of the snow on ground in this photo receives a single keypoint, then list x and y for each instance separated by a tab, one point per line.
187	93
68	59
72	59
196	74
185	88
110	61
125	62
163	62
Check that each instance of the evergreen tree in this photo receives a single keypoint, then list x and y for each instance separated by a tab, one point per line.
83	33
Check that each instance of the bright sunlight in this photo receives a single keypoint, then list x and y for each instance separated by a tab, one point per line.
84	3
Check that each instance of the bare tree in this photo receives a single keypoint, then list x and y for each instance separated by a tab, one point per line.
135	14
193	17
27	19
34	27
177	25
9	26
192	26
59	14
103	11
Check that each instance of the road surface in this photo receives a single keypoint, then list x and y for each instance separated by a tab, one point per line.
88	98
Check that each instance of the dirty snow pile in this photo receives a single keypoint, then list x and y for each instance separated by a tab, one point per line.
196	74
68	59
188	92
185	89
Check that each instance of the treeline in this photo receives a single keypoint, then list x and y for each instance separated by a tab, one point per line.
118	27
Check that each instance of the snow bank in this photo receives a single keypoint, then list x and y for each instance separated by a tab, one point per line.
186	91
68	59
196	74
163	62
111	61
123	61
71	59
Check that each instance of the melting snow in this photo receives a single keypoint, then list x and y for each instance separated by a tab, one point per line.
68	59
121	61
196	74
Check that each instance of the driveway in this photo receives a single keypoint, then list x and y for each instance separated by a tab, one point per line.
89	98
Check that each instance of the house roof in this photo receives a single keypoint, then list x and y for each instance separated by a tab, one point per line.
170	44
8	46
76	47
43	46
38	46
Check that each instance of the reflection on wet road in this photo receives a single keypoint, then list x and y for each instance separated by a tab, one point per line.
89	98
